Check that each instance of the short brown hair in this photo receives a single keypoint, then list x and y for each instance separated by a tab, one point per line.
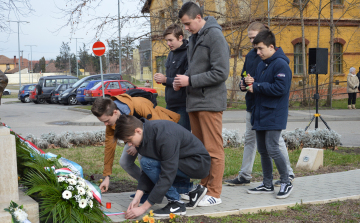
125	127
103	106
174	29
257	26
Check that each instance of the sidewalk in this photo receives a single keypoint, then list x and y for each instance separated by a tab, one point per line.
315	189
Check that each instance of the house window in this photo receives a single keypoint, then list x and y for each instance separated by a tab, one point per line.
338	48
338	2
160	64
162	20
298	60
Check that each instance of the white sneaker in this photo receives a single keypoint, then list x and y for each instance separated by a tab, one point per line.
209	201
185	196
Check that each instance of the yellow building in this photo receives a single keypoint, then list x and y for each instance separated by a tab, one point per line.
284	18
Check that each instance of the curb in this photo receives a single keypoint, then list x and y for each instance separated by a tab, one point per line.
80	110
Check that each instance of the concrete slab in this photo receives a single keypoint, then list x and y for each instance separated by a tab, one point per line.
316	189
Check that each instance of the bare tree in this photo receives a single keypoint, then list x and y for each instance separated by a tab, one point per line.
17	7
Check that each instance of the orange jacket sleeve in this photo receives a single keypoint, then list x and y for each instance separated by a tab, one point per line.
109	151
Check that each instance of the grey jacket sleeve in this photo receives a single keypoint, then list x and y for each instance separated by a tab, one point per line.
219	61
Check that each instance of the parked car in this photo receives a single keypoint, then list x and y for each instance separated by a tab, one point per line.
7	92
33	98
47	84
112	88
80	95
24	92
69	96
57	91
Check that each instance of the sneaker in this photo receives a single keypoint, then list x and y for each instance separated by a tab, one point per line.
238	181
278	182
175	207
195	196
185	196
285	190
262	189
143	198
209	201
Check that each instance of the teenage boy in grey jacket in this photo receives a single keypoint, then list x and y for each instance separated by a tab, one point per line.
170	153
208	68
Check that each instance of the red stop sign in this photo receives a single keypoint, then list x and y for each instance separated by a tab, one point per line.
99	48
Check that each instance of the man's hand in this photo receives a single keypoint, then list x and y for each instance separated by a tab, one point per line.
242	86
176	88
160	78
134	210
249	80
132	151
104	186
250	89
181	81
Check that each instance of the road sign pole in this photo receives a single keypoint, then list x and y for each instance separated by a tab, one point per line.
102	77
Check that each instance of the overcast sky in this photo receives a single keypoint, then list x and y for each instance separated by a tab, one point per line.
47	18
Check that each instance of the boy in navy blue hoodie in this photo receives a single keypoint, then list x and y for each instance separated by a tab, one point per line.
271	88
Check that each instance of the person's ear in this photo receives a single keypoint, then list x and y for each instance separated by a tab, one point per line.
181	38
198	17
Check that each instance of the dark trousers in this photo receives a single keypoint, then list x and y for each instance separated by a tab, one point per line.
352	98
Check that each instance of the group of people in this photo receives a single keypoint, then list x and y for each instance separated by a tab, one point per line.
353	87
184	140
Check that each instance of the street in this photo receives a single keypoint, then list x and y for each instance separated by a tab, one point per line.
37	119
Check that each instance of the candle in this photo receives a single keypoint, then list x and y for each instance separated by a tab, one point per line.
108	205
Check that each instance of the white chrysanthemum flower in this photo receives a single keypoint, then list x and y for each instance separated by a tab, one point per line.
77	198
70	188
66	194
71	181
20	215
61	179
91	204
82	203
82	184
81	190
89	194
71	175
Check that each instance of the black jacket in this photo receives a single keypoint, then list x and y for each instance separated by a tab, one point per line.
358	76
252	60
176	64
176	148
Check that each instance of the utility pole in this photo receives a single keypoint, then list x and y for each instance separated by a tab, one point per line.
22	57
32	71
119	38
77	66
29	66
18	22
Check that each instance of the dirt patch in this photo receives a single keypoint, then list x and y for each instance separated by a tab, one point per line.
349	151
116	186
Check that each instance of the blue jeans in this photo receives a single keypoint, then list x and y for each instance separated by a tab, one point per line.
268	147
184	116
181	184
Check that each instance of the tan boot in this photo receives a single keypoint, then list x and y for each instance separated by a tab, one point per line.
353	107
349	107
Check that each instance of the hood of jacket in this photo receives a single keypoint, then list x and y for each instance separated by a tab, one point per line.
182	47
210	23
279	53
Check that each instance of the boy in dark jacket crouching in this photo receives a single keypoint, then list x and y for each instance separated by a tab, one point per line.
271	87
170	153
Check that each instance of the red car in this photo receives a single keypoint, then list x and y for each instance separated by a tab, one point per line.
113	88
32	97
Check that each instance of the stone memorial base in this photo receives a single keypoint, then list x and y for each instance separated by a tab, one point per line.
31	207
310	159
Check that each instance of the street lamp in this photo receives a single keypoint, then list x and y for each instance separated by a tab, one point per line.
119	38
31	70
18	22
77	68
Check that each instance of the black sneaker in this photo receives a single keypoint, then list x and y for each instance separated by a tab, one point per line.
196	196
285	190
238	181
174	207
278	182
262	189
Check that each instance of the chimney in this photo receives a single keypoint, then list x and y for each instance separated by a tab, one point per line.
14	61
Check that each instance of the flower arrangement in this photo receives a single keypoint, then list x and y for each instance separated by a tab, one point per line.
76	191
18	213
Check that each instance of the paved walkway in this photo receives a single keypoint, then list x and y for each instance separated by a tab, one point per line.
315	189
